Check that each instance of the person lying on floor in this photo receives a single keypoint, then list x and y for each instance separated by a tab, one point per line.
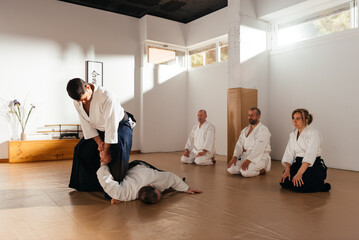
143	181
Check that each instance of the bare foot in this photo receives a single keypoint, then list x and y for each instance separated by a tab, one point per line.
115	201
262	172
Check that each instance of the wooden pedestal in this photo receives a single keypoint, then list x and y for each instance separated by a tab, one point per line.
42	150
239	101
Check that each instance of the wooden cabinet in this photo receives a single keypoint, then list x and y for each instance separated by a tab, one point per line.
239	101
41	150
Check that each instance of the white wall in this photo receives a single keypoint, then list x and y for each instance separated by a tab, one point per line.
43	44
163	89
207	89
207	27
164	109
164	30
265	7
324	79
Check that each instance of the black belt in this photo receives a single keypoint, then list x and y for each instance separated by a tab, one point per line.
125	118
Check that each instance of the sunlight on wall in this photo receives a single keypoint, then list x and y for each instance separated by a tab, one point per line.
253	42
148	76
165	73
158	75
119	75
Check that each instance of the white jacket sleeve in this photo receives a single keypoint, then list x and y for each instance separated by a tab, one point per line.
189	143
113	114
261	141
288	156
167	180
313	146
209	142
114	189
239	147
87	130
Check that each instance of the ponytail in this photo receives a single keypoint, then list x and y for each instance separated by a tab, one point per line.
306	116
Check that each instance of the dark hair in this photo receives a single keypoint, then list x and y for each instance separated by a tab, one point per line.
76	88
258	112
306	116
148	195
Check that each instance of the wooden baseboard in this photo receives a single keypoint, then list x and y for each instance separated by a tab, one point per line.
4	160
135	151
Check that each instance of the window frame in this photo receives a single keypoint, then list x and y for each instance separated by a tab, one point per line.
149	44
215	41
273	36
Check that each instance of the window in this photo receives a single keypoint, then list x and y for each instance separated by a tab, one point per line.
223	50
163	56
322	23
204	55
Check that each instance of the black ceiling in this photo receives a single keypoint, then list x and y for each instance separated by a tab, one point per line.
177	10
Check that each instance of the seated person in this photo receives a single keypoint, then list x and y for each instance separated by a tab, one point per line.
200	144
142	181
305	171
251	154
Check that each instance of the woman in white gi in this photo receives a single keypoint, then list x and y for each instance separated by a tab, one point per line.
305	171
106	128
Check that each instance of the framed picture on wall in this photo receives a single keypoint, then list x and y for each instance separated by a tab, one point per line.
94	72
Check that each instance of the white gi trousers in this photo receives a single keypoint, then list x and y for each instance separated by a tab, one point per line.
202	160
253	168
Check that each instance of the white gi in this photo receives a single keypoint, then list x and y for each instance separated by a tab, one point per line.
255	148
199	139
136	178
105	115
308	146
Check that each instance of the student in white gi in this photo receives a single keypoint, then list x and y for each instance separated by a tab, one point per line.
106	127
305	171
251	154
200	144
142	181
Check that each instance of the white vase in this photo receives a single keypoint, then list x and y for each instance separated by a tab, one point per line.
14	133
23	136
15	128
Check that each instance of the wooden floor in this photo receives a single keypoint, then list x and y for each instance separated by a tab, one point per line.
35	203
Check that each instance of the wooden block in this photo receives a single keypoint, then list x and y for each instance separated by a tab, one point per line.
239	101
42	150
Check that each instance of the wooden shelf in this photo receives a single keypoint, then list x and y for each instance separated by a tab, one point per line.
41	150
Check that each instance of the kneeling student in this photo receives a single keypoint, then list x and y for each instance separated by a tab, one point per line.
305	170
199	148
251	154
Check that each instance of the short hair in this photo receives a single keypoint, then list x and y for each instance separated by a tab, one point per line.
76	88
204	111
306	116
148	195
258	112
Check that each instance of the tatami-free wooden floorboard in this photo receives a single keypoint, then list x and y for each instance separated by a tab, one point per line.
35	203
